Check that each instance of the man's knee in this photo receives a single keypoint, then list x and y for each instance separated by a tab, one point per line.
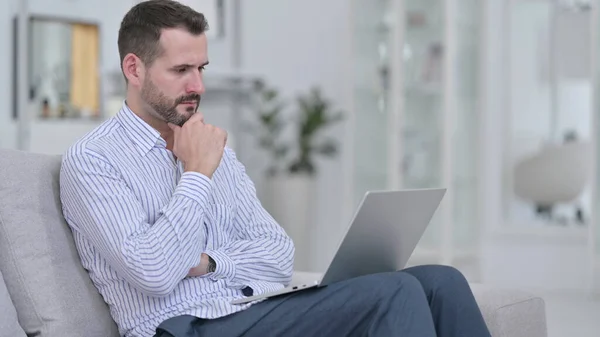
447	273
436	277
393	283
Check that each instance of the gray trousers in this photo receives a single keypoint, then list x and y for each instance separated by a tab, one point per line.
424	301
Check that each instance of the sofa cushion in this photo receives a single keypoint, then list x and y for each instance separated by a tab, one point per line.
52	293
511	313
9	324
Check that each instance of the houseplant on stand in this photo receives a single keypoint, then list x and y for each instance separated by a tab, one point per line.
291	176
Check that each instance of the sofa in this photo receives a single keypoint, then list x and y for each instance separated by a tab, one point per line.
45	292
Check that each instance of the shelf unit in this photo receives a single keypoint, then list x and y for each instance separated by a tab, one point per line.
416	118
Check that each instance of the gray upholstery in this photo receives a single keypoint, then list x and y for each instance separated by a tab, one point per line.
52	293
9	324
511	313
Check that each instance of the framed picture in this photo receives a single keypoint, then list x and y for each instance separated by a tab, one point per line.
63	65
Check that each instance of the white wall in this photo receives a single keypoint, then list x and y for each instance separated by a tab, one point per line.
295	45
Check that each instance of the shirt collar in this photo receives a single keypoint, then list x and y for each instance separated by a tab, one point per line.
141	133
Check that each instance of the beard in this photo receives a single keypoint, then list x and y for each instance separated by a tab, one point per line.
165	107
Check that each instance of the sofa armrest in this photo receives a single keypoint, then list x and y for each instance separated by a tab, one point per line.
511	313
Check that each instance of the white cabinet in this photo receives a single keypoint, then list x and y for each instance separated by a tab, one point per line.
371	115
415	112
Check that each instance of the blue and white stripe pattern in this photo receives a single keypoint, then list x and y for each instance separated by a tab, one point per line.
140	223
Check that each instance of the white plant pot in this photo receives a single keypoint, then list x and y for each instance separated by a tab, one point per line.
289	198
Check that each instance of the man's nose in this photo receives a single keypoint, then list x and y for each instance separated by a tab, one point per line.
196	84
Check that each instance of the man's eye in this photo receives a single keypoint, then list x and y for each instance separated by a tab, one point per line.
203	68
181	70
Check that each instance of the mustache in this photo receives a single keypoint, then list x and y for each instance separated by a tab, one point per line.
189	98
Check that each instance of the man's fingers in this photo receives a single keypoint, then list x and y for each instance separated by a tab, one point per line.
197	117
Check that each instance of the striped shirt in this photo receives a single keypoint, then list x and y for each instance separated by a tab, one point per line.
140	223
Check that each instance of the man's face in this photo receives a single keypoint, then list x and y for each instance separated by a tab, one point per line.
172	86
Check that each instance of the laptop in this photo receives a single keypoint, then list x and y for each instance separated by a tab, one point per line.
381	237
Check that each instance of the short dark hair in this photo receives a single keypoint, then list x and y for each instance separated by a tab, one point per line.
142	26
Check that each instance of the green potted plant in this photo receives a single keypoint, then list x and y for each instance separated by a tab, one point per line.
314	116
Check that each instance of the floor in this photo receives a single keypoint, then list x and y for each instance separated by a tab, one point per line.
553	268
572	315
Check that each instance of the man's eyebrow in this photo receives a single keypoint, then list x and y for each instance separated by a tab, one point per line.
189	65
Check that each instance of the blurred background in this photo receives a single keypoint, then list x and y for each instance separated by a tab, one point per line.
496	100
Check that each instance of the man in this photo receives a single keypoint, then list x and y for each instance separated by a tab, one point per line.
170	229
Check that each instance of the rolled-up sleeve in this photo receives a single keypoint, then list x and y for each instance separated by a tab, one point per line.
98	203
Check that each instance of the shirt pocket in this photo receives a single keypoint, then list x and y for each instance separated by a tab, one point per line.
219	228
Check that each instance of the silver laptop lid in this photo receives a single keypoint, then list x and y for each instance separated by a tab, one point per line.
384	233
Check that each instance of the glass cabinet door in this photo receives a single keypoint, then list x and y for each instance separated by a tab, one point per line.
435	128
440	117
371	48
467	25
423	111
423	93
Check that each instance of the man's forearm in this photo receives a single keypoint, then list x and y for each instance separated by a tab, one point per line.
179	223
109	215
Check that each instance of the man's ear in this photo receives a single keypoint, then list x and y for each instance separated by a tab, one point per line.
133	68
